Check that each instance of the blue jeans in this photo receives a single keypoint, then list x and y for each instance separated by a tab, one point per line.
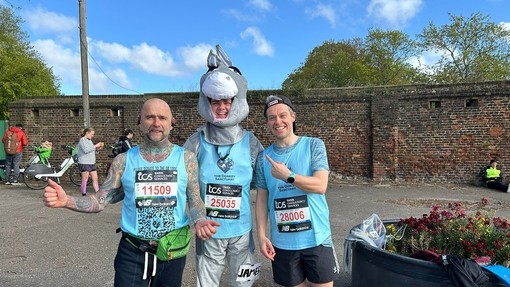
12	163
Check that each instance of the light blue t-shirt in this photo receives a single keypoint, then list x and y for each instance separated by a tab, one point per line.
154	194
298	219
225	176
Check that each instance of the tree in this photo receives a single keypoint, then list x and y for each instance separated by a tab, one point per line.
471	49
388	54
333	64
22	70
382	58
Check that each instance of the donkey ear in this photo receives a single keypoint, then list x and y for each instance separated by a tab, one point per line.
212	60
223	56
217	58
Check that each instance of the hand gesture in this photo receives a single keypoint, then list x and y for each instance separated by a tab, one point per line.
278	169
266	248
54	195
206	228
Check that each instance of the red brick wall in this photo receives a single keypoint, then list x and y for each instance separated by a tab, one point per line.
377	133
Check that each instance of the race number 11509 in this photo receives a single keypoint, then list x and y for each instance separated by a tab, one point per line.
157	190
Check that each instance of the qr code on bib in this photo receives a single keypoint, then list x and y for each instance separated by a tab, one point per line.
155	222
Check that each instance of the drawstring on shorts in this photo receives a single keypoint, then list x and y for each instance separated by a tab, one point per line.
147	247
145	265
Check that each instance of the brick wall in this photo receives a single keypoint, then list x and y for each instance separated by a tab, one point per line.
414	133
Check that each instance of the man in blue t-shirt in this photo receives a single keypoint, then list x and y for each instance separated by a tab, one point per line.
157	182
291	177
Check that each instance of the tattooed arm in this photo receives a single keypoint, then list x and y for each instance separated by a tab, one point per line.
109	191
204	228
195	203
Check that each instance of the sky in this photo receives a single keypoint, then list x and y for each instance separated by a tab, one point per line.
160	46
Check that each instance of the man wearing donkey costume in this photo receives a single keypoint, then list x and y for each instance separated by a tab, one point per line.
226	155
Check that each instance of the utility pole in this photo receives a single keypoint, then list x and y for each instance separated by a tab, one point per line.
84	65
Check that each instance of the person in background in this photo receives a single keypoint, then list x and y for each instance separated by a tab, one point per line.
226	155
154	180
13	159
44	150
125	140
291	177
87	159
493	177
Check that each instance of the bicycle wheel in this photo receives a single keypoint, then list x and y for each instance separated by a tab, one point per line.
34	183
75	175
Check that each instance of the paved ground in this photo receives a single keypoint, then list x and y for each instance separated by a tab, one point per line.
55	247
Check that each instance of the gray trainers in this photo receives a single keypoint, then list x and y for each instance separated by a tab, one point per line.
16	183
8	183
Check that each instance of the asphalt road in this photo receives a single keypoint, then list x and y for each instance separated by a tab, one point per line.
56	247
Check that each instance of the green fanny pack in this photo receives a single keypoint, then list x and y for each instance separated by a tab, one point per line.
174	244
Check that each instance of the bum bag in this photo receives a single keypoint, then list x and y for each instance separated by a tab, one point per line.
174	244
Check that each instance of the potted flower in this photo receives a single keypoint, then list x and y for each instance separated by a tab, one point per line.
444	230
452	231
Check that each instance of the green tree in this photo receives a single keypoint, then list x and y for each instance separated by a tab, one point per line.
333	64
471	49
388	55
382	58
23	73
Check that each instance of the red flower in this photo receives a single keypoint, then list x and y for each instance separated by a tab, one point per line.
453	231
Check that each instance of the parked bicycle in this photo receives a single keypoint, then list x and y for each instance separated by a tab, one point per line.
41	155
35	176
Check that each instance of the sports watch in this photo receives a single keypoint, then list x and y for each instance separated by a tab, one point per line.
292	177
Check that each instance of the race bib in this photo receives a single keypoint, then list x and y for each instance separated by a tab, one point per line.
223	201
292	214
156	188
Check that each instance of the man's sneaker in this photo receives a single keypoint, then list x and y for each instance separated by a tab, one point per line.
8	183
15	183
508	190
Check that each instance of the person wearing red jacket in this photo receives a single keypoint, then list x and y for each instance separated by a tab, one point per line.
13	161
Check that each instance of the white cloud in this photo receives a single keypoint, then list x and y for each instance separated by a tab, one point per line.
148	58
113	52
426	61
195	58
394	12
106	69
325	11
261	4
153	60
248	17
262	46
44	21
505	25
66	65
120	78
240	16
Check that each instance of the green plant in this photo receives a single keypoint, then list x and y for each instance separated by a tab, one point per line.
452	231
